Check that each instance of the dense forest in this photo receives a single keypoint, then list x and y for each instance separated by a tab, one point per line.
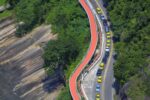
130	21
69	21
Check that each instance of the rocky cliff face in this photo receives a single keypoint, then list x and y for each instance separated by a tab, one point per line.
22	76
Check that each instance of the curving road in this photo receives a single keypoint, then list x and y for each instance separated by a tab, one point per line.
89	81
91	50
108	75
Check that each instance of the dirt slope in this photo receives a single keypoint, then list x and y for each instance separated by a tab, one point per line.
22	76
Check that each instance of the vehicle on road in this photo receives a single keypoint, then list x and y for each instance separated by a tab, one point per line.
107	49
105	57
99	11
99	71
102	17
108	36
107	54
105	22
98	88
108	33
97	96
105	25
101	65
99	79
108	41
105	4
106	28
108	44
98	99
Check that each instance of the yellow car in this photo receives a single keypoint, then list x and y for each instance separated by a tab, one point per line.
97	96
99	80
108	41
101	65
108	44
108	36
99	77
108	33
98	10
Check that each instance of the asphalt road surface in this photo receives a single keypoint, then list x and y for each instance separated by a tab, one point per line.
108	82
90	81
91	50
107	91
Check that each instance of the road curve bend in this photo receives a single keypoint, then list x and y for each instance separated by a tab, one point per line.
90	52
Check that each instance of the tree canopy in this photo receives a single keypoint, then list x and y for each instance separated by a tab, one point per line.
130	24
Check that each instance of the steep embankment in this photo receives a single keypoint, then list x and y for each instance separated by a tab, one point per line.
21	65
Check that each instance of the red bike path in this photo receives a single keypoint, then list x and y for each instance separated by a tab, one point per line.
87	58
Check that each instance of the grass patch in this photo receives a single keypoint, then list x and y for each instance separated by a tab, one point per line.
6	13
2	2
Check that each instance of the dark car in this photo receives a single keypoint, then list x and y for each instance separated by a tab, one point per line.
105	57
106	29
99	71
105	4
107	54
105	22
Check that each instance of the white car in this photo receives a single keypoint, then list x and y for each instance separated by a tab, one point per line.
107	49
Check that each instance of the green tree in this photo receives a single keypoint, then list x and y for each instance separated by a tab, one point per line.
130	23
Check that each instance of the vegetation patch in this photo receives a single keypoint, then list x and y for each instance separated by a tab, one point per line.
6	13
130	24
2	2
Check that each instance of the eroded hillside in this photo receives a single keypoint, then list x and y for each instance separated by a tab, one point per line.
22	75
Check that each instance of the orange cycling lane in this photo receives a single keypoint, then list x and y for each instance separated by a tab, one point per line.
87	58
